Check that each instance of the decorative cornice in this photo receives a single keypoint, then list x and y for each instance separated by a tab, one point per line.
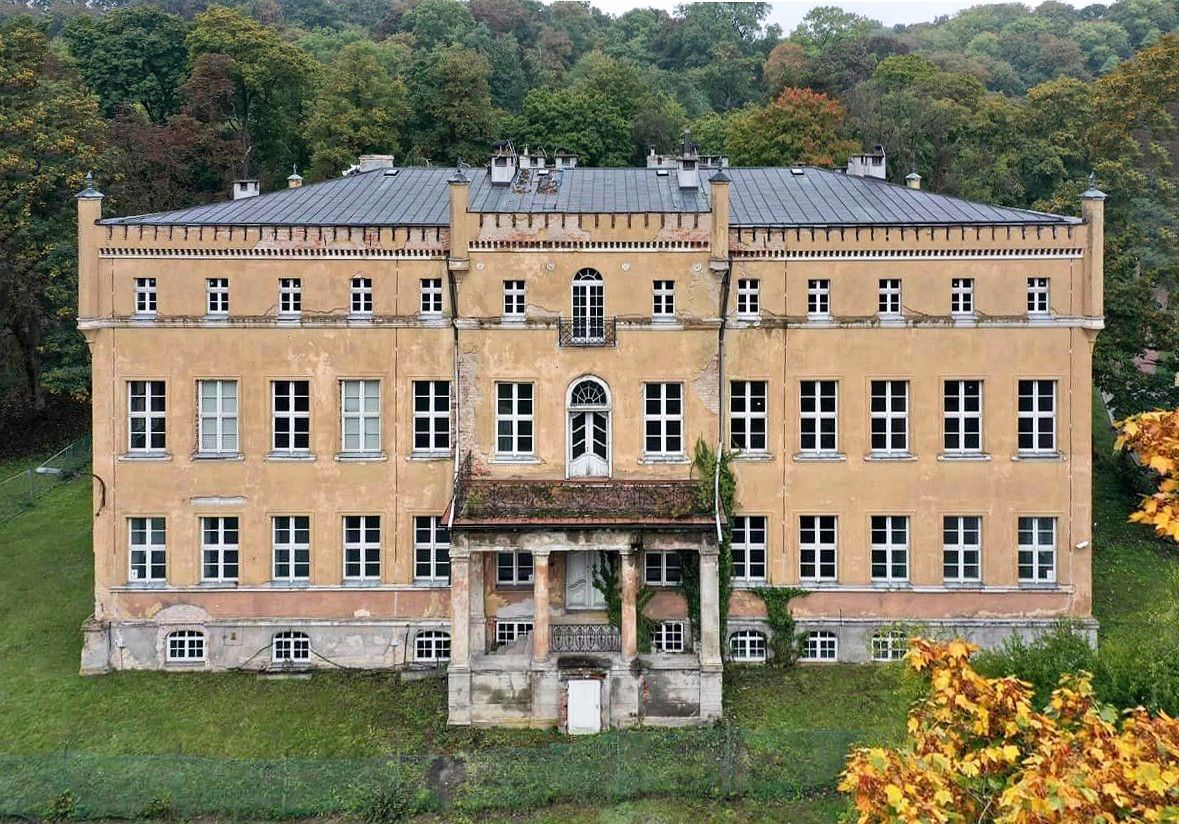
588	245
263	252
907	254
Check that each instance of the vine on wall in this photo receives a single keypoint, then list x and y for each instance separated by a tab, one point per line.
786	644
704	465
607	579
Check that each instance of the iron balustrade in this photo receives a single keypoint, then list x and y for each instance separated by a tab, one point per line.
585	638
588	331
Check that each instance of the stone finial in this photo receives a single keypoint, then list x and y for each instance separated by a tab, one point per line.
1093	193
459	175
89	193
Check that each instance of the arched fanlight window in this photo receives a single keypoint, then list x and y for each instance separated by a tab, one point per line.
588	393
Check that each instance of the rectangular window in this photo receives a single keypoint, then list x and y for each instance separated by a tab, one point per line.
292	547
513	419
145	296
662	568
890	416
432	645
749	548
506	632
890	645
147	542
290	296
961	547
818	298
663	419
146	416
431	416
360	416
819	416
431	545
186	645
513	568
1037	416
747	416
290	648
217	292
219	551
362	547
663	300
1038	296
962	296
217	422
668	637
748	297
1037	550
818	542
962	421
890	548
291	407
820	645
432	296
362	296
514	302
889	298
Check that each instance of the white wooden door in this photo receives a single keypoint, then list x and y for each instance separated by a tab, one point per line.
584	706
580	592
589	444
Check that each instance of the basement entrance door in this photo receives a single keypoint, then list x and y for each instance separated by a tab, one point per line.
584	706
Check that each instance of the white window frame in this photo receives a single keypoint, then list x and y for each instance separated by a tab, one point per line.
519	566
431	297
1037	419
822	397
184	646
360	296
217	296
889	553
515	300
749	646
962	297
748	298
664	427
362	553
507	631
291	553
1037	557
360	411
669	637
430	422
1039	297
820	645
743	392
218	406
432	646
818	298
663	300
290	296
748	571
889	645
145	296
292	415
515	405
818	556
888	298
145	393
147	536
431	555
959	553
659	570
290	647
892	423
957	417
223	557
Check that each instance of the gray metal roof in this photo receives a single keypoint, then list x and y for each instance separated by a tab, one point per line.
775	197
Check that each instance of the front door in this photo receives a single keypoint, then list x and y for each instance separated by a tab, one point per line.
580	592
584	706
589	444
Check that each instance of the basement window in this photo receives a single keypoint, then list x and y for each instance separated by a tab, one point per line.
186	646
291	648
432	645
668	637
748	646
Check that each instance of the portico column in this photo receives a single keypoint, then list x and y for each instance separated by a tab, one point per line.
630	629
540	605
477	638
710	631
459	679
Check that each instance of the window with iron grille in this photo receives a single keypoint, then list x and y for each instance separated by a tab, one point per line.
1037	550
431	416
432	645
749	548
962	296
148	547
748	646
890	416
362	547
663	300
662	568
186	645
819	416
890	548
290	296
820	645
668	636
748	297
1038	303
1037	416
663	419
290	648
145	296
818	543
146	416
291	415
961	548
514	303
513	568
217	294
513	419
219	549
431	549
889	297
217	422
818	297
889	645
362	296
962	417
747	416
360	416
292	547
506	632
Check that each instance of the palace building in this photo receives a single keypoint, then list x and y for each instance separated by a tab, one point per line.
427	419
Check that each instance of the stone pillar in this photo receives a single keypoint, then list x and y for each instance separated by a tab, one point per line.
630	622
719	233
540	606
460	235
711	664
459	671
477	637
89	202
1093	214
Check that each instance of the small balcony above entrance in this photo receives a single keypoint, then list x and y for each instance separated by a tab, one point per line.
588	331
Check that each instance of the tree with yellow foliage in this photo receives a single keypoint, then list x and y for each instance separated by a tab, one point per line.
979	752
1154	438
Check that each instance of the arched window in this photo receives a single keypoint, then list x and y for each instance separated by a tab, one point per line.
589	428
186	645
748	645
889	645
820	645
589	393
432	645
291	647
589	307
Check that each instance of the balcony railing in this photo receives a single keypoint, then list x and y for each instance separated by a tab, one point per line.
585	638
588	331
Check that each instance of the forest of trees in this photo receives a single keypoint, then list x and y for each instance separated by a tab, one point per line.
169	100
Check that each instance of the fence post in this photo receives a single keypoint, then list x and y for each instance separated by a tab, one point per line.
32	491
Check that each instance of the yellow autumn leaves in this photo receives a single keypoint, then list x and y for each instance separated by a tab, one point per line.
1154	438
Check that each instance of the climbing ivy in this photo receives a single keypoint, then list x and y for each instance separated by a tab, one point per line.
704	465
608	581
785	643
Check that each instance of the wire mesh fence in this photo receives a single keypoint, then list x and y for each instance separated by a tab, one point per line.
20	490
715	762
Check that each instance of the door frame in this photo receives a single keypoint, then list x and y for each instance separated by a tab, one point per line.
571	410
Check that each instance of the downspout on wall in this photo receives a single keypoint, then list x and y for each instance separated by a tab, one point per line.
458	260
720	263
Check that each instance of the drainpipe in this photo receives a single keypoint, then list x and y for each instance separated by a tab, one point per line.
720	263
457	260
